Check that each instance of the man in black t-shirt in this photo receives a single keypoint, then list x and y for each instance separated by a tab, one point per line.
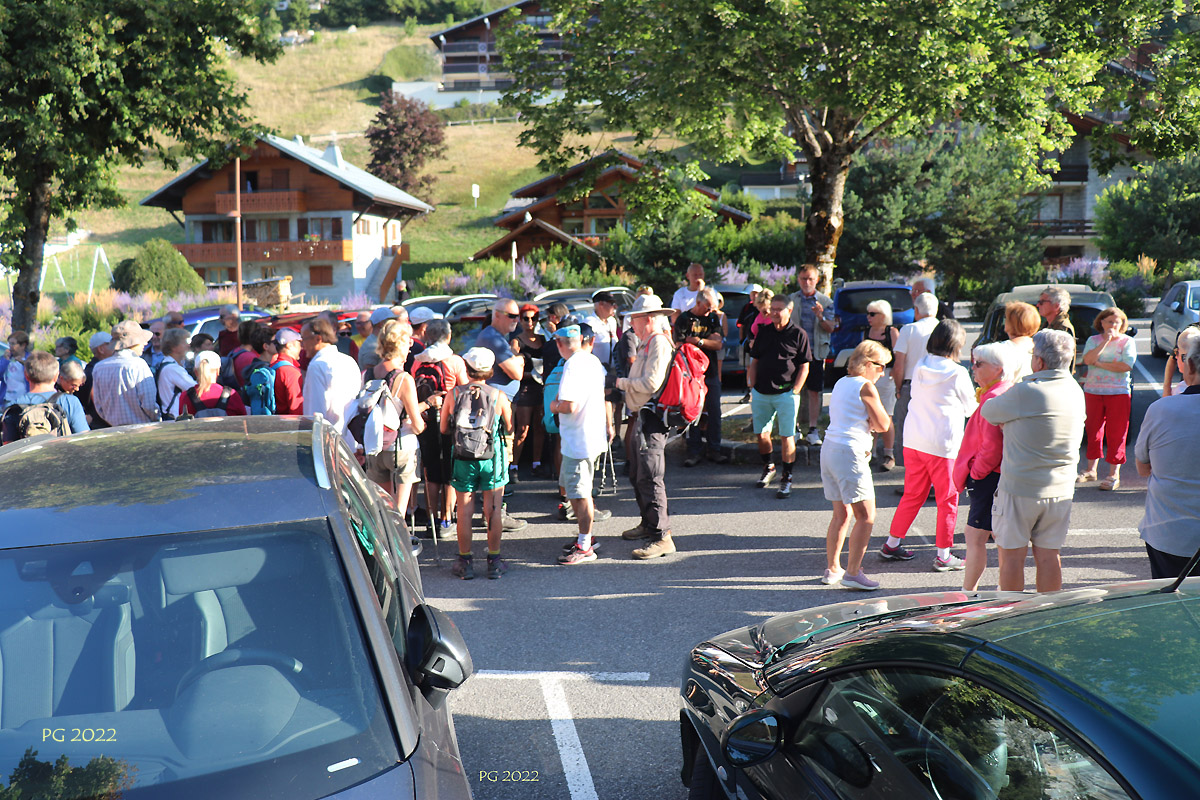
701	326
778	368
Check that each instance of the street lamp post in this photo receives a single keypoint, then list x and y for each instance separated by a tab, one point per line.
237	227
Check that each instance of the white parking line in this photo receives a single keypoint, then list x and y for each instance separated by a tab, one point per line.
1153	384
562	724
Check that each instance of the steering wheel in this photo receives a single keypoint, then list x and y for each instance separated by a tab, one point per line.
289	667
948	778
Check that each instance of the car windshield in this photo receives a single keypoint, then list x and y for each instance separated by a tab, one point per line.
186	666
855	301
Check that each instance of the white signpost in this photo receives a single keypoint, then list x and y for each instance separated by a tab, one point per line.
475	193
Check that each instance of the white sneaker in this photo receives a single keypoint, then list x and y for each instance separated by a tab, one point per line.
813	438
832	578
948	564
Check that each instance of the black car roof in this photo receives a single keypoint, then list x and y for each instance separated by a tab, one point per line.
168	477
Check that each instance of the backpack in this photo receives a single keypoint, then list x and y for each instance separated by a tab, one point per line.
549	395
35	419
202	410
374	423
228	375
474	420
259	393
430	379
680	399
164	410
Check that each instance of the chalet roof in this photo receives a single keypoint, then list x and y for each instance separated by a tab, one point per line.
328	162
499	245
540	187
434	36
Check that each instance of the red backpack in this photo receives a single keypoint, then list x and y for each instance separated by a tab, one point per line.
680	399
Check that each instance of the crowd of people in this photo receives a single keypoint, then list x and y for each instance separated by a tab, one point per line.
560	388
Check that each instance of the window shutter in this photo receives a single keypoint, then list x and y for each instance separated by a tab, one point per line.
301	229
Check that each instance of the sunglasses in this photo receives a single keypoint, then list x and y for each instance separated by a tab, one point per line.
511	316
873	314
529	317
881	366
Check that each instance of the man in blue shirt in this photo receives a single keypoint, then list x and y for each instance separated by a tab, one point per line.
41	371
496	337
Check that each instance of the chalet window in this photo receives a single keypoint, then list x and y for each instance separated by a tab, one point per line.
301	229
604	225
249	181
215	231
273	230
1052	207
320	276
327	228
250	230
599	200
280	180
573	226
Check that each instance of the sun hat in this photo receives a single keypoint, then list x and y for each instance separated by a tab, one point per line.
647	304
127	334
480	359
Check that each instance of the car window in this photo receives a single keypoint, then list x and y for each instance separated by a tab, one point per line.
855	301
1082	318
187	666
212	327
896	733
1194	300
1172	295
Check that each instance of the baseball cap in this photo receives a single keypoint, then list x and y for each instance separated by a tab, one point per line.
381	315
99	338
423	314
603	297
207	357
286	335
128	334
568	332
480	359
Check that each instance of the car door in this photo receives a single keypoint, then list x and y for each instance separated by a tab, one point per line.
891	732
1167	319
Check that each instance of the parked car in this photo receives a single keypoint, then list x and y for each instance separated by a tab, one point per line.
850	316
230	607
579	301
296	319
207	319
1088	694
1086	303
736	296
454	307
1179	307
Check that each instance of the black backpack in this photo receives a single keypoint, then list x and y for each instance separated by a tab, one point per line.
474	420
34	419
163	410
430	379
202	410
228	375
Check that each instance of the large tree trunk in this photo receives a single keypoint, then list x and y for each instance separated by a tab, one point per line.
827	176
37	224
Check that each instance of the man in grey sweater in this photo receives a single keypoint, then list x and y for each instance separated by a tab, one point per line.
1042	417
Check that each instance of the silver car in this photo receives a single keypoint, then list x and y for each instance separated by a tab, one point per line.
1179	307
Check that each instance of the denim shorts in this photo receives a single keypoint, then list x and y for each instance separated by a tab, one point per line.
766	408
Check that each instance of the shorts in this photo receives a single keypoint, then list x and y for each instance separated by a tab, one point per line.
478	476
392	467
436	455
815	382
1019	521
767	407
983	495
887	392
576	476
846	474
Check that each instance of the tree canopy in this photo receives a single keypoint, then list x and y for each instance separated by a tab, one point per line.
788	77
88	84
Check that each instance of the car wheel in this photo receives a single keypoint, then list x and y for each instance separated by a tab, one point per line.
1155	350
704	784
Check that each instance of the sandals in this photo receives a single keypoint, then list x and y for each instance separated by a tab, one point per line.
1110	484
1086	477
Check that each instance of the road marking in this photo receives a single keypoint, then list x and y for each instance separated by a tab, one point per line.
1146	374
562	724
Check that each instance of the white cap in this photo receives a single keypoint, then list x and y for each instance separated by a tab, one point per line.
99	338
422	314
480	359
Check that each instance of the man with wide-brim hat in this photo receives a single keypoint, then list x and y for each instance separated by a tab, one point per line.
647	467
123	390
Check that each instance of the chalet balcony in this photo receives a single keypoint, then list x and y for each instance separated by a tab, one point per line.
263	202
1070	173
468	48
223	252
1064	227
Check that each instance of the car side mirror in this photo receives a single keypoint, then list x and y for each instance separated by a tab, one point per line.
437	654
1131	331
1176	306
752	738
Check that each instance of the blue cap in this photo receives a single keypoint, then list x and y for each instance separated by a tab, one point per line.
568	332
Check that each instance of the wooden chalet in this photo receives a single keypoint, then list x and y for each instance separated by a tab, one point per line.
470	61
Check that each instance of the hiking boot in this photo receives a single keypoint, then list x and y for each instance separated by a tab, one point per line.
717	457
860	582
768	475
497	566
948	564
542	472
655	549
575	542
887	463
785	489
463	567
509	524
513	476
565	511
813	438
633	534
897	553
601	514
691	461
577	556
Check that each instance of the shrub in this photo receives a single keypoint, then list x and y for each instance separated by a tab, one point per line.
558	267
158	267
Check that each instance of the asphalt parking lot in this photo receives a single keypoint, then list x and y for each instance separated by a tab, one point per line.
577	668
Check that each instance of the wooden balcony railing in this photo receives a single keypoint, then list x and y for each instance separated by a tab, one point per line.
223	253
263	202
1070	173
1064	227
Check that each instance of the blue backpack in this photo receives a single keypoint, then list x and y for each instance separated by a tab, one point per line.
549	395
260	388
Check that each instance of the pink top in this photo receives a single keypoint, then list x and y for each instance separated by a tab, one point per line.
761	319
982	443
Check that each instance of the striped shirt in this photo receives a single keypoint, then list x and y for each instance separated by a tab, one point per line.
123	390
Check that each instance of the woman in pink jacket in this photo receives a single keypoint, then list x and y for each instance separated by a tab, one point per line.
977	468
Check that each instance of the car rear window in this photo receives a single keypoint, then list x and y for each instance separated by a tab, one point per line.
188	666
855	301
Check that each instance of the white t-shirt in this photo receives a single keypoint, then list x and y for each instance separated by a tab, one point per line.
583	431
684	298
606	337
912	340
172	377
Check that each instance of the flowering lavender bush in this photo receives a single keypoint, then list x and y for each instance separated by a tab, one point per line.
728	273
1090	271
355	301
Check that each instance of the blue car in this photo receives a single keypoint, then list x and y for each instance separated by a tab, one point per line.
850	314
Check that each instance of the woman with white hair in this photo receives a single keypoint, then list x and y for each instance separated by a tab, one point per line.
880	329
209	398
977	467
